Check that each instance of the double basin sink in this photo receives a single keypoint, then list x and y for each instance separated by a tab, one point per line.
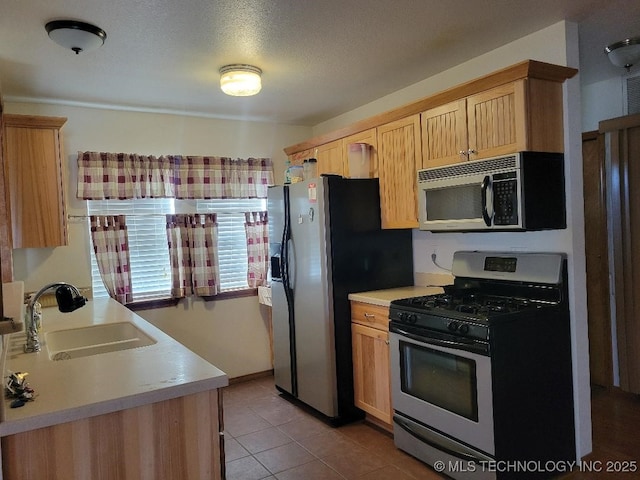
95	339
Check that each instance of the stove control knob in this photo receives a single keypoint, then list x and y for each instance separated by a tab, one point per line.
402	316
464	329
412	318
452	326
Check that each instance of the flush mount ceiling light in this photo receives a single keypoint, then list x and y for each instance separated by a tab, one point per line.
240	80
77	36
624	53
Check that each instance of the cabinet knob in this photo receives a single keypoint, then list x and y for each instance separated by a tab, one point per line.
471	151
369	316
462	153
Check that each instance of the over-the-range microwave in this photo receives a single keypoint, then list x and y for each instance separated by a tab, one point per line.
517	192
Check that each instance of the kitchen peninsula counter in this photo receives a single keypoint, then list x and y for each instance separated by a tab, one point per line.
148	412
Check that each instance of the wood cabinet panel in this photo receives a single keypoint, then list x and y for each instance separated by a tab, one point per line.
597	260
34	181
330	158
496	121
399	157
375	316
372	389
444	134
369	137
172	439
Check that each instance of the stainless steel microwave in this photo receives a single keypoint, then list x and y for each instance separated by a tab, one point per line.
522	191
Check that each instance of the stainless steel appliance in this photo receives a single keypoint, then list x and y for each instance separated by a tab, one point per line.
481	374
326	242
523	191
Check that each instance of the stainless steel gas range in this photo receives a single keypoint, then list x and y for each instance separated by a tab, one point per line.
481	374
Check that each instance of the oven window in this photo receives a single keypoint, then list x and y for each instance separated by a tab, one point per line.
441	379
454	203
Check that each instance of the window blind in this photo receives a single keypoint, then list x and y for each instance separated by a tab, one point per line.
148	250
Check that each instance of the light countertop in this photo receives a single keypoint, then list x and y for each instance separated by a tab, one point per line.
68	390
384	297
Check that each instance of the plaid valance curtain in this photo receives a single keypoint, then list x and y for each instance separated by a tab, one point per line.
103	176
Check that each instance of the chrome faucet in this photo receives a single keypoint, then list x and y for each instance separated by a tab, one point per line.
69	299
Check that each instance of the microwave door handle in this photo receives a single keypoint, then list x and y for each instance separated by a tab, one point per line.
484	187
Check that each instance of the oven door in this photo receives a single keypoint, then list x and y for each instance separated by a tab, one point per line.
442	386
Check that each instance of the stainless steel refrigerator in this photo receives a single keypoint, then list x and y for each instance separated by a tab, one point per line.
326	242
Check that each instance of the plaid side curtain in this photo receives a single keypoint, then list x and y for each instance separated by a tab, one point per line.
193	252
111	247
257	230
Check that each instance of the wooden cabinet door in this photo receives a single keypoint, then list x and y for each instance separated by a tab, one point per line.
444	134
330	158
399	157
299	157
597	259
34	180
496	121
369	137
372	389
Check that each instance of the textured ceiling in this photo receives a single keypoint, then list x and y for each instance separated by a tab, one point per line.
320	58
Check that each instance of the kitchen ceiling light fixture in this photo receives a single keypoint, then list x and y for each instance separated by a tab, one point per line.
77	36
240	80
625	53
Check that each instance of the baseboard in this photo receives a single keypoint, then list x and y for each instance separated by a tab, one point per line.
379	424
251	376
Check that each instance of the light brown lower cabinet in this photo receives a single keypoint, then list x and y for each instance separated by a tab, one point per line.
178	438
371	375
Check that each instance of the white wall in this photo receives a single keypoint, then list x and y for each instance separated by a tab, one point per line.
601	101
556	44
231	334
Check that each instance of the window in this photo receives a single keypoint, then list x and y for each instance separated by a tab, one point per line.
148	250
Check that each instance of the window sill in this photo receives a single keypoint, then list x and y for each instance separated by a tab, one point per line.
172	302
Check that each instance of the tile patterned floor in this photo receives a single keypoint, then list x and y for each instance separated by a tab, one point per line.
267	437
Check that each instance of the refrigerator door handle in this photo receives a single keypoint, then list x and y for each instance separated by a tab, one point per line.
291	267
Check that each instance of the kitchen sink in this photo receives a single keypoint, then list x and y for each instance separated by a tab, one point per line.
96	339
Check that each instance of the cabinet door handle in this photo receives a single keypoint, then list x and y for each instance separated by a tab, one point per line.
471	151
369	316
462	153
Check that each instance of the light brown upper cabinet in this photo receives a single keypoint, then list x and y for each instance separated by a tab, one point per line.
399	157
330	158
34	180
370	138
522	115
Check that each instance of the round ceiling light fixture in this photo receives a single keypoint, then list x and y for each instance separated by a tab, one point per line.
625	53
240	80
76	36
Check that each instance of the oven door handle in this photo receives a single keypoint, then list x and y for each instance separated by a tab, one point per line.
465	345
455	453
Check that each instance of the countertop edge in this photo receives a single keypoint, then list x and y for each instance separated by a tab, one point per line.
384	297
12	427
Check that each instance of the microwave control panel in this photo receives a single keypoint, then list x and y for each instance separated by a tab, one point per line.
505	199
